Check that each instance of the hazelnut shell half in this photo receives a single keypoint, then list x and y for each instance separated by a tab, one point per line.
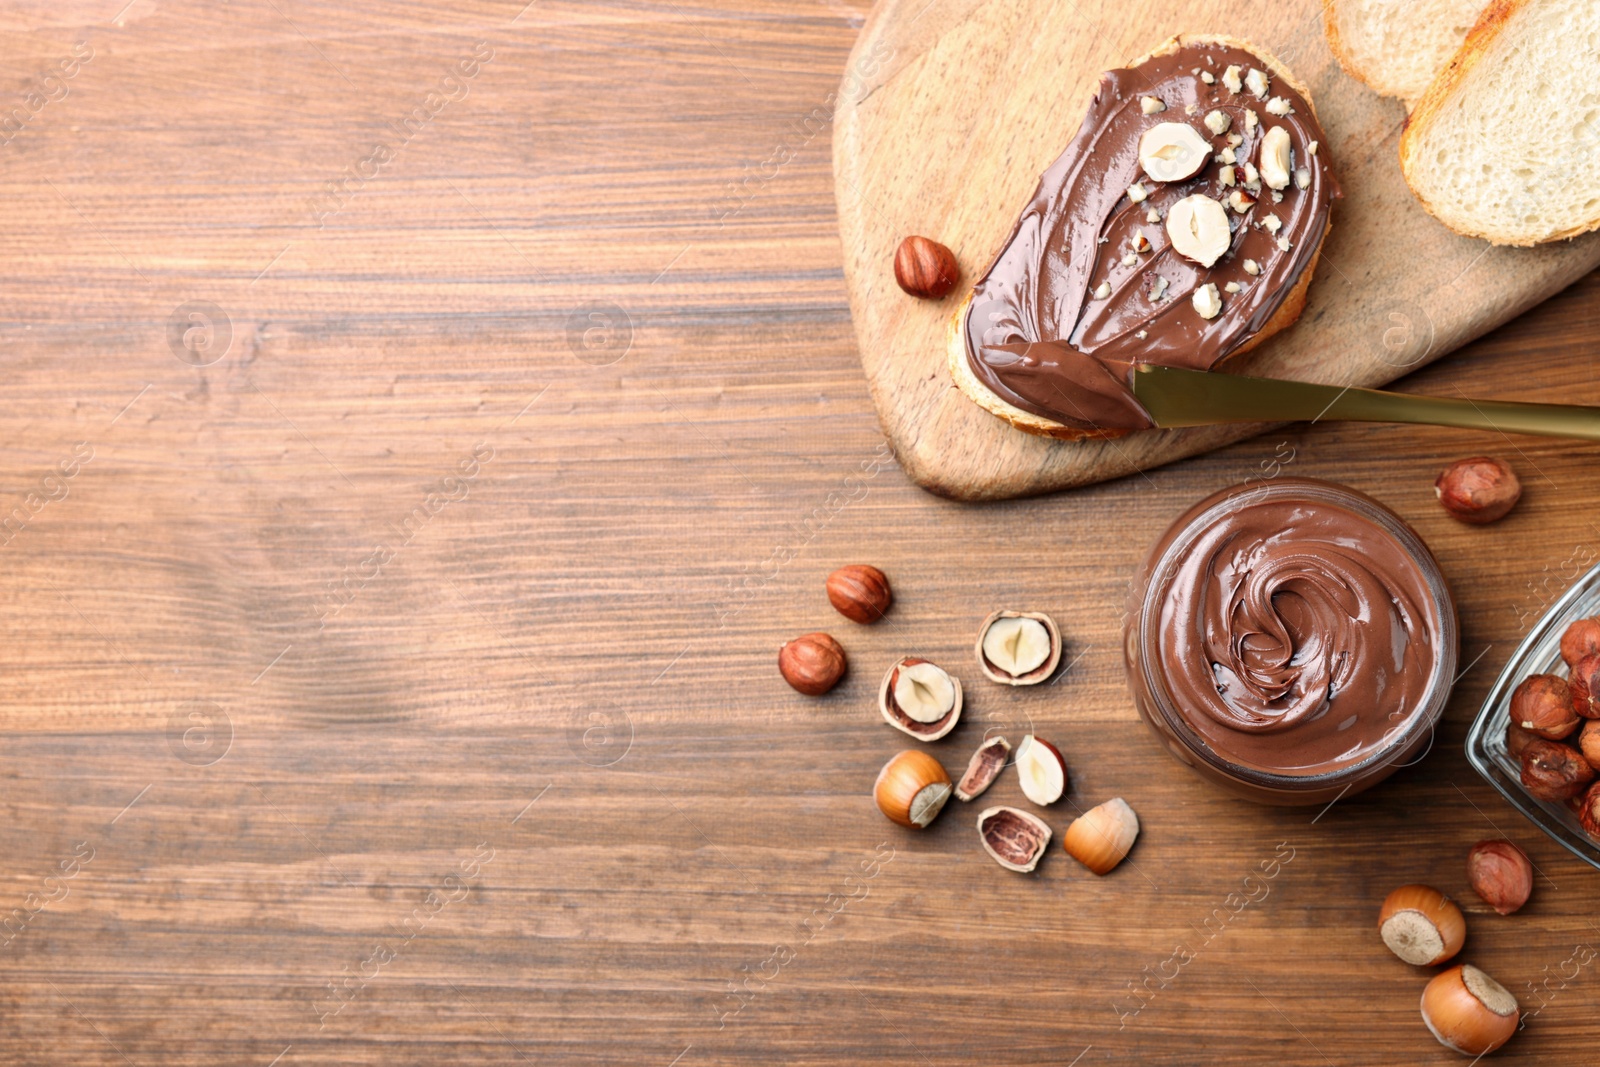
894	716
1033	677
1013	838
984	767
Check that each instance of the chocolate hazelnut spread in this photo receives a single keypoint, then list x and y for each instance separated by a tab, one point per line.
1295	629
1092	261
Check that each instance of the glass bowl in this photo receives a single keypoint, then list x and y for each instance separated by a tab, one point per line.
1539	653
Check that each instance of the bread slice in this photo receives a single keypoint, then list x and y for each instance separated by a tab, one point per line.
1397	47
956	340
1505	145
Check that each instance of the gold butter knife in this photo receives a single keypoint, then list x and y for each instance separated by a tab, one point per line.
1176	397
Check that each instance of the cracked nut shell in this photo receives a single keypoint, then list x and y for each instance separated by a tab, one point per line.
920	698
860	593
912	788
812	664
984	767
1018	647
1014	839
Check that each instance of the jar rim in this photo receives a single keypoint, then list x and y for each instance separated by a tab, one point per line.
1180	536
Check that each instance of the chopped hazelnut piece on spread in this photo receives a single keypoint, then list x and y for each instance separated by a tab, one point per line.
1208	77
1150	105
1283	244
1251	267
1302	178
1218	122
1233	287
1138	193
1250	120
1225	176
1206	301
1159	291
1102	290
1257	82
1230	78
1279	106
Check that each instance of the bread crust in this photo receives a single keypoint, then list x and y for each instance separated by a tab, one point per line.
1294	303
1340	50
1494	19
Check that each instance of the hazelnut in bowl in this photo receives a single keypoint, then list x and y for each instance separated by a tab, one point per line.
1535	739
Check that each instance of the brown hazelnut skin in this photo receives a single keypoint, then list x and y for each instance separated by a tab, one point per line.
1583	682
860	593
812	664
1517	739
1553	771
1582	638
925	268
1589	742
1542	703
1589	811
1501	874
1478	490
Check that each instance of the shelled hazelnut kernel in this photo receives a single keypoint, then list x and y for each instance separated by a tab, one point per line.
1542	703
1479	490
1501	874
860	593
812	664
925	268
1581	638
1553	771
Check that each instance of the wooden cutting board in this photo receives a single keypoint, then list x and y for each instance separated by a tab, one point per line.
946	116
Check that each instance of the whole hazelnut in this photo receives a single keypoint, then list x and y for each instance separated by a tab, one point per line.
1478	490
812	664
1501	874
1543	703
1582	638
1553	771
1589	811
1517	739
925	268
1589	742
860	593
1584	684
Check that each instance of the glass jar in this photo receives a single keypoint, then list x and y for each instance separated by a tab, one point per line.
1293	641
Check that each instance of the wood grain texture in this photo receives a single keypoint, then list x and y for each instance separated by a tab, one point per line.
276	709
950	111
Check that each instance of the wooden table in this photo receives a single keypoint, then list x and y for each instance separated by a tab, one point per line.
391	680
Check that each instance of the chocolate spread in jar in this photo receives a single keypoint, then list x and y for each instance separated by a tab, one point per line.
1081	235
1297	636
